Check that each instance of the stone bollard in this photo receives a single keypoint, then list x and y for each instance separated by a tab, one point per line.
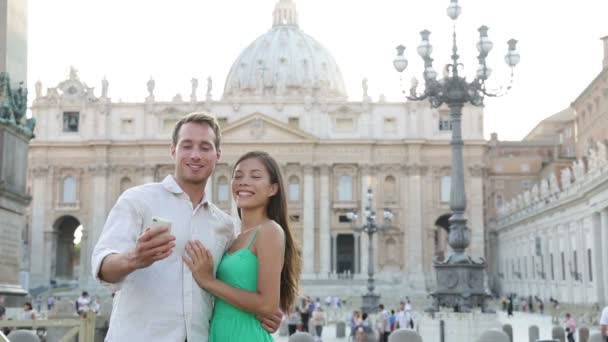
372	336
23	336
340	329
494	335
283	328
557	333
583	334
508	329
62	309
595	337
301	337
404	335
533	333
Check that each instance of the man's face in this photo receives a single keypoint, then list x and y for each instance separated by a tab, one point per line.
195	154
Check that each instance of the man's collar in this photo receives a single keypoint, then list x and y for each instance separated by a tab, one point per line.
170	184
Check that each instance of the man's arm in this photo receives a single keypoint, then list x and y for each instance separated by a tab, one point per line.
151	247
604	330
120	249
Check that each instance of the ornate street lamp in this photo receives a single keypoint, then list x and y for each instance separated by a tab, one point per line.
370	299
460	279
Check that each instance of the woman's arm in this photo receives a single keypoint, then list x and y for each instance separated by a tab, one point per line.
270	254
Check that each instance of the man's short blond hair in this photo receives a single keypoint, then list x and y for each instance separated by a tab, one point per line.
199	118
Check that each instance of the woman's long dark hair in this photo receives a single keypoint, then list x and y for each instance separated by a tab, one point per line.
277	210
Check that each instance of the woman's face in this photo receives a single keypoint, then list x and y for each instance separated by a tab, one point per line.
251	187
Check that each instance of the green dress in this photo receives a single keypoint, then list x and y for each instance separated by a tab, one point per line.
228	323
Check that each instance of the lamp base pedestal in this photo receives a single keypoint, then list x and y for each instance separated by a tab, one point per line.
370	302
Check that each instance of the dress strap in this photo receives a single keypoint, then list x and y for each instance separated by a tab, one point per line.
255	233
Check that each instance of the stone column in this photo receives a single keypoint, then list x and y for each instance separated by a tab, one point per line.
334	252
99	197
308	225
596	251
148	174
324	233
604	251
583	266
365	184
38	224
415	239
357	237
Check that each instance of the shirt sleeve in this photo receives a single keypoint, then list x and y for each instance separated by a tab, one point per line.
119	235
604	318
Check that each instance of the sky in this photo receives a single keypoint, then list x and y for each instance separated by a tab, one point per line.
129	41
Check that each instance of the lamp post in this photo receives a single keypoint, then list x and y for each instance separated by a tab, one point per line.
370	299
459	278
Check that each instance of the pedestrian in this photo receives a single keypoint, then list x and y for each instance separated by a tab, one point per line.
318	321
604	324
510	306
293	319
363	328
83	304
393	320
570	327
383	323
305	312
140	259
38	303
404	317
50	302
355	320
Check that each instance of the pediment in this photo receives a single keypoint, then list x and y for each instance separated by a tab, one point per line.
259	127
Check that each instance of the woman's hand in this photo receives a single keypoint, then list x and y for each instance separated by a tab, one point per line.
200	263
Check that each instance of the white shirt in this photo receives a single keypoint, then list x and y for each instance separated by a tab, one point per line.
161	302
404	317
83	303
604	317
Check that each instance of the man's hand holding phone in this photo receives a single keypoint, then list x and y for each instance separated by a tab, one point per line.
156	243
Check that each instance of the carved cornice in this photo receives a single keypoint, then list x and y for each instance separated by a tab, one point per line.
476	170
99	169
308	168
41	171
416	169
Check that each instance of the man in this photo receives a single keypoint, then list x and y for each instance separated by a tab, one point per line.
82	304
50	302
604	324
156	297
404	316
383	323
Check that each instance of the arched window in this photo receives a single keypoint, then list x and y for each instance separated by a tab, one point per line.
223	189
294	189
345	190
69	190
125	183
390	189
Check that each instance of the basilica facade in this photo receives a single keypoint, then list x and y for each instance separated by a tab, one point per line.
284	94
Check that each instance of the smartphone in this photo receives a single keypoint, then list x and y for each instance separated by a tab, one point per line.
161	222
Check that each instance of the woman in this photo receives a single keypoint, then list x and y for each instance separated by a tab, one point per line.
363	328
260	271
318	321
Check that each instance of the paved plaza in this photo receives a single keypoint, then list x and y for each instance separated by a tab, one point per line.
520	322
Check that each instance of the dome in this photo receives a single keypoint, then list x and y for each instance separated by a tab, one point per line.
284	63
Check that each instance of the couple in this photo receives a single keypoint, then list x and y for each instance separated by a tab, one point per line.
197	280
